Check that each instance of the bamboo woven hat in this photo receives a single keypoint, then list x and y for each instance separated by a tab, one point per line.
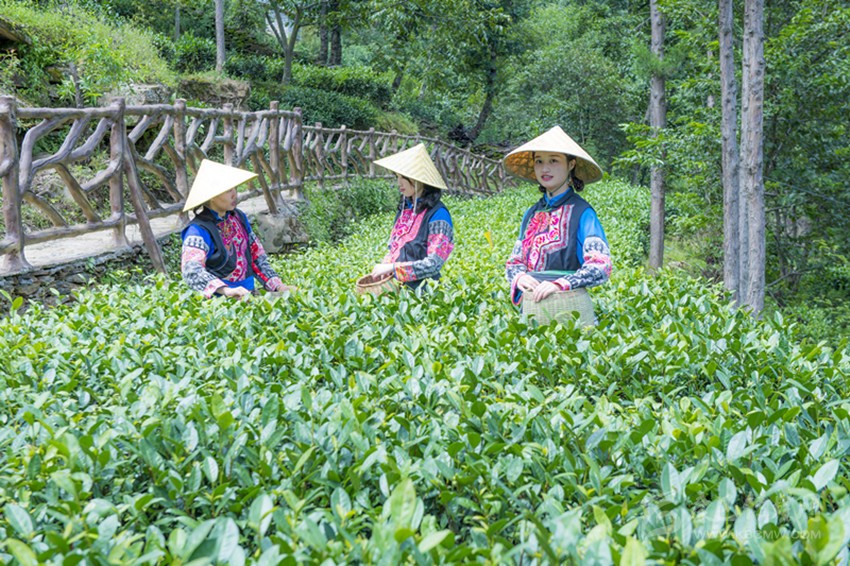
520	161
416	164
213	179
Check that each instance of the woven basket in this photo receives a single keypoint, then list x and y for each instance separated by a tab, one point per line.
560	306
368	284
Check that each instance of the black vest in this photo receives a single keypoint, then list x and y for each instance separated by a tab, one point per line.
417	248
564	259
221	263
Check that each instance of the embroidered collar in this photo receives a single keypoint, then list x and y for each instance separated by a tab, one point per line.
216	216
557	200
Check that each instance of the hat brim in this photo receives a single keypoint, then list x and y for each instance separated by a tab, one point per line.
212	180
520	161
415	164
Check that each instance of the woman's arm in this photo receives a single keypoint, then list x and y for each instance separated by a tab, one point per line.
260	261
440	246
595	255
197	245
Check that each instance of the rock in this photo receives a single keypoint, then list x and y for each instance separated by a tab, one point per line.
278	233
215	92
140	94
12	33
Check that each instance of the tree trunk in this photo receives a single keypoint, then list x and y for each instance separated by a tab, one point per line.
752	151
729	134
490	92
657	122
219	35
399	75
177	23
322	58
335	58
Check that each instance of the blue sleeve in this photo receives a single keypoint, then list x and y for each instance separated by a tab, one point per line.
588	226
442	214
193	230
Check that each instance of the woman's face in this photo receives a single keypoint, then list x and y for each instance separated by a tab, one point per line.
552	169
224	202
406	186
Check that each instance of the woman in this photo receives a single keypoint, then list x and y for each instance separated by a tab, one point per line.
561	244
422	236
221	254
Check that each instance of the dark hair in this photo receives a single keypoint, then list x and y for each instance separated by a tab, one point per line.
576	183
428	199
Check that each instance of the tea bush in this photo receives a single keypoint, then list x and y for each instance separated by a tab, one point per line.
143	424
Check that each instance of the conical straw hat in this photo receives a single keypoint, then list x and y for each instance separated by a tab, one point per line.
212	180
416	164
521	160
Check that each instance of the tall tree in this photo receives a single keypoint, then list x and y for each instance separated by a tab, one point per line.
752	150
729	137
657	122
285	19
219	35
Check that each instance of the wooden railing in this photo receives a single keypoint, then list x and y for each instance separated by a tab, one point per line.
121	165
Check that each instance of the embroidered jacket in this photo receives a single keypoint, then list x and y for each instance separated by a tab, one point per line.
242	250
420	243
560	240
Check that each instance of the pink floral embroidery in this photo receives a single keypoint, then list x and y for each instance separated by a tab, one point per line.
546	233
441	245
404	231
235	239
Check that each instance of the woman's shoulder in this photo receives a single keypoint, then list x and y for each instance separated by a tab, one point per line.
442	213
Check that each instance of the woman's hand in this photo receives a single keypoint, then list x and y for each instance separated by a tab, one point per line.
240	293
527	283
382	269
543	290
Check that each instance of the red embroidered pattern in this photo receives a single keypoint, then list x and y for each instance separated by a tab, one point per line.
235	239
405	230
441	245
546	232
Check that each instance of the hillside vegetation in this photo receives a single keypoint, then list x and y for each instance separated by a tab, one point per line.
143	424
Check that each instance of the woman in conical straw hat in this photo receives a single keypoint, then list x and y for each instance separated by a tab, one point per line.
422	235
221	254
561	244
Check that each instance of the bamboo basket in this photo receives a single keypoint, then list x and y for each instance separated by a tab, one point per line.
560	306
367	284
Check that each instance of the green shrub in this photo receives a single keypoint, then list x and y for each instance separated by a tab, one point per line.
331	214
104	54
194	54
330	108
360	82
253	67
144	424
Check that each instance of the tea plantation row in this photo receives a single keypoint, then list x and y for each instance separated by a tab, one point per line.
144	425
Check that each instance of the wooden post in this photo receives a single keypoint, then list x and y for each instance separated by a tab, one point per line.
228	134
14	260
148	237
117	141
274	148
343	143
181	178
484	186
320	155
296	154
373	153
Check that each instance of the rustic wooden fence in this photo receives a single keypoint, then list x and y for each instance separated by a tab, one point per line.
120	165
